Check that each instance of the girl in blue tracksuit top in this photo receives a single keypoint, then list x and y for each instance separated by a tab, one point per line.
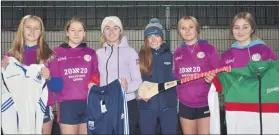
156	62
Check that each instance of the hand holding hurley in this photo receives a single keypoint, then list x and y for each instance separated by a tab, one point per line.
149	89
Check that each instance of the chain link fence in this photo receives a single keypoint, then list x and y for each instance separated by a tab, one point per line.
214	17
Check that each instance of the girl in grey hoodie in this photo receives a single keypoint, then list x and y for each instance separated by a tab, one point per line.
117	60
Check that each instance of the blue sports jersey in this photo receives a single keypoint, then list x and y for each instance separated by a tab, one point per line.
107	110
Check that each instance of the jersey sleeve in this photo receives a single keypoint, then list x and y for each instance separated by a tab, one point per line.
272	55
56	83
175	67
214	59
95	76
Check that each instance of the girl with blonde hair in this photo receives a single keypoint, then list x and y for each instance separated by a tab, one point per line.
192	57
30	47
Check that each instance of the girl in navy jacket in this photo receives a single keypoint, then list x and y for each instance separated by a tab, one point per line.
156	62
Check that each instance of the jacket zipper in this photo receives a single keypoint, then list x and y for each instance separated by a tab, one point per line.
156	65
107	63
260	103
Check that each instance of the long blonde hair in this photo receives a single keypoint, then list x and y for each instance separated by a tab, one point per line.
43	51
195	21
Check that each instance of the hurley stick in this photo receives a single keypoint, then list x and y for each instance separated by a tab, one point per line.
149	89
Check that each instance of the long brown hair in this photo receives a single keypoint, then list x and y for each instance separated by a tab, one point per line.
145	59
43	51
249	18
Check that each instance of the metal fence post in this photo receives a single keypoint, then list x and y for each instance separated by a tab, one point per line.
167	30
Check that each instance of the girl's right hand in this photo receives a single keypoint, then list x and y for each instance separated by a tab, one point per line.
5	61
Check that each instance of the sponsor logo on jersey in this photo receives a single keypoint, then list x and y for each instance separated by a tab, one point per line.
256	57
200	55
205	112
272	89
230	61
167	63
87	57
178	57
62	58
195	69
45	117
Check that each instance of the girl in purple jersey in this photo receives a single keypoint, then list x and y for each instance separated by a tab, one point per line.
247	47
74	63
29	47
192	57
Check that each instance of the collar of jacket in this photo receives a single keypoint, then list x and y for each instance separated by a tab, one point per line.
66	45
26	47
123	43
183	44
163	48
252	43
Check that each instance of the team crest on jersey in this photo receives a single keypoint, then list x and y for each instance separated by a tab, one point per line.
200	55
87	57
91	125
256	57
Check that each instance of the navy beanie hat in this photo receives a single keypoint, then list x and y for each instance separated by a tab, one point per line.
154	28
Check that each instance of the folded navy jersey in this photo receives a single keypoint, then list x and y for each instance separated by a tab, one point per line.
107	110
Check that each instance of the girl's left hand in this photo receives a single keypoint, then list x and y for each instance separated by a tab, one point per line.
144	99
124	83
45	73
208	78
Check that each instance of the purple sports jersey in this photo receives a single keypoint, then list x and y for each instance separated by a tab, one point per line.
30	57
239	56
189	60
75	66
